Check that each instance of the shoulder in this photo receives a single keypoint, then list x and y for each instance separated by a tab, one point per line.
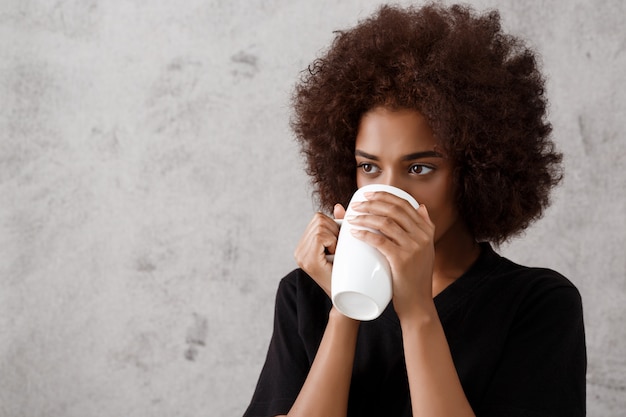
531	274
498	284
296	283
301	310
534	289
532	280
298	292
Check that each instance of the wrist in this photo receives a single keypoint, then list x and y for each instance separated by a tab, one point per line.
338	318
420	317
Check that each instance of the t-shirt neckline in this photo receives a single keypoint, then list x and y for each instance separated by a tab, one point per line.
461	288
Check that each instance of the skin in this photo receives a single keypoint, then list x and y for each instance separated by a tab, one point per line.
427	249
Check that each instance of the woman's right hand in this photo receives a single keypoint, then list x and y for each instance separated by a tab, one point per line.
318	240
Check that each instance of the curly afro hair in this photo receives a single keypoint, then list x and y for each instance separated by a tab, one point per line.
479	88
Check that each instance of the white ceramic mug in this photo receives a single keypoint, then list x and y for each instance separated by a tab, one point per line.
361	284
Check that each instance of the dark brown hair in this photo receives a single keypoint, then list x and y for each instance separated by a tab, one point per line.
479	88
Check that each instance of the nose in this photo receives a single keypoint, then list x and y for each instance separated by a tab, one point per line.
392	178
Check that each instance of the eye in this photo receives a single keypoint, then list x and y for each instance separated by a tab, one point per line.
419	169
368	168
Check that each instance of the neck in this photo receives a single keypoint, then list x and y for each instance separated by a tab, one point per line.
455	253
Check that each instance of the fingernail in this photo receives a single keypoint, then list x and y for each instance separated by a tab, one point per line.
368	194
350	217
356	204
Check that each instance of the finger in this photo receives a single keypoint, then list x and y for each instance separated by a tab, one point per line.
321	233
331	246
387	204
385	225
339	212
322	222
403	215
379	241
423	212
396	253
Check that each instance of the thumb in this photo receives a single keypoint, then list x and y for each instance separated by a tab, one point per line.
339	212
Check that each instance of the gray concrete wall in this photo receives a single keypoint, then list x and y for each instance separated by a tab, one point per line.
151	195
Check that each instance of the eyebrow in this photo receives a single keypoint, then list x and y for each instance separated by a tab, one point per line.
409	157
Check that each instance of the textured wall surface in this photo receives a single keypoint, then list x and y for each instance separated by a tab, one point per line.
151	194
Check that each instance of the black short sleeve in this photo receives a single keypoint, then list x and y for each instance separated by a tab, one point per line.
541	372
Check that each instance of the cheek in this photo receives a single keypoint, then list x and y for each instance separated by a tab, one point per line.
439	199
363	180
429	194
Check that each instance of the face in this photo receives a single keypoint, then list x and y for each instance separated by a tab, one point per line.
397	147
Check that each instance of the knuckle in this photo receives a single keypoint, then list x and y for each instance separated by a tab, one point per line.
395	209
378	239
423	240
413	246
387	222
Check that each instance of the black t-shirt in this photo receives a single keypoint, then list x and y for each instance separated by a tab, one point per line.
516	336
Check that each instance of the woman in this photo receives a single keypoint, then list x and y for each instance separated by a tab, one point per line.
440	102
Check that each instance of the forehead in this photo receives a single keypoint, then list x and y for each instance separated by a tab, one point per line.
385	131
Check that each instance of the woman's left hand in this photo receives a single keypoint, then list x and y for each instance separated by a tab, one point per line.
406	239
